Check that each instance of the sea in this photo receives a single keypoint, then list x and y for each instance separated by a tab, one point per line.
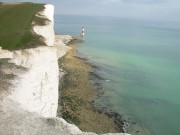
139	60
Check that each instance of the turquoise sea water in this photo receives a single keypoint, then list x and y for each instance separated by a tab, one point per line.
141	58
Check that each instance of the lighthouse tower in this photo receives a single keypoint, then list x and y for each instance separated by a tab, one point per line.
82	32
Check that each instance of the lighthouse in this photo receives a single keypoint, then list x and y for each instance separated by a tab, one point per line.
82	32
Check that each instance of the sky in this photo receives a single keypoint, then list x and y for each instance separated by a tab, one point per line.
150	9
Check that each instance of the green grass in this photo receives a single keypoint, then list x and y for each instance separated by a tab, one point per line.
16	25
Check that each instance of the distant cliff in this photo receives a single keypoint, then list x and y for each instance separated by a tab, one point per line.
29	80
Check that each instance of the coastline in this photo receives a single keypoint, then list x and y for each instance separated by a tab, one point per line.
77	94
29	96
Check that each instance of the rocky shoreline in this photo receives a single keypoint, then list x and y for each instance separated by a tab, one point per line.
83	111
123	124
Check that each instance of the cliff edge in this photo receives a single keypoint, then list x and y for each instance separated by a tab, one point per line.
29	80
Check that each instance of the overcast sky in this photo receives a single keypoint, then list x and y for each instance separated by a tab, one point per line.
157	9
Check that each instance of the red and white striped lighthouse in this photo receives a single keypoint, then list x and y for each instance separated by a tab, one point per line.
82	32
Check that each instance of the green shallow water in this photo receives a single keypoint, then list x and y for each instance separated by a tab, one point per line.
141	60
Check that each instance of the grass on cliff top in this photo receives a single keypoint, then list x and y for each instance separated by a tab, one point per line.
16	25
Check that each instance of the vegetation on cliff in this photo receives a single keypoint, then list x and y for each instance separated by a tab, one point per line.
16	25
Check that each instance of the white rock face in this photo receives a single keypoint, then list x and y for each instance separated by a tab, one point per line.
46	31
16	121
60	43
5	53
38	87
64	38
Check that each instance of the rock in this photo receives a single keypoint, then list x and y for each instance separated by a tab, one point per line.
37	90
5	54
60	43
47	31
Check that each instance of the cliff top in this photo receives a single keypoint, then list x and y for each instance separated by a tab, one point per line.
16	25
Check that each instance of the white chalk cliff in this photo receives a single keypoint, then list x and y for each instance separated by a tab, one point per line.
38	90
48	31
29	99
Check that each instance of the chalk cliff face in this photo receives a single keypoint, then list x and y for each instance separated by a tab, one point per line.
5	54
46	31
38	87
